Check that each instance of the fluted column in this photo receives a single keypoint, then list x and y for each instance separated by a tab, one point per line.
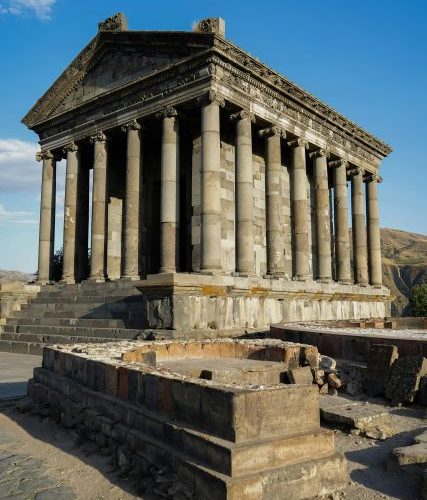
132	200
300	209
169	191
245	253
273	199
47	216
360	257
373	222
342	245
210	256
70	213
99	208
323	223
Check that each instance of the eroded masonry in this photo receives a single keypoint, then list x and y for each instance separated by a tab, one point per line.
218	186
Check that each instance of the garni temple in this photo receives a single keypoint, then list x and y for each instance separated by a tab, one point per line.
205	183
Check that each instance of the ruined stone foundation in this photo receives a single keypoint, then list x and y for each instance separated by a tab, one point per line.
217	412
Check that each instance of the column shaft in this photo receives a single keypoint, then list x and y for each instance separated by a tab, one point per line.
300	210
245	253
360	259
342	245
99	193
47	216
70	214
132	201
374	238
323	223
210	257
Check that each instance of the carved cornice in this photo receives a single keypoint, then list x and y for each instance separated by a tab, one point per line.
167	112
338	163
133	125
270	131
44	155
98	137
70	148
372	178
243	114
298	142
319	153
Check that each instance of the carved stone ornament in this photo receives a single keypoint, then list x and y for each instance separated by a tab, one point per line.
118	22
318	153
72	147
240	115
133	125
212	97
372	178
44	155
355	171
98	137
211	25
298	142
338	163
273	130
167	112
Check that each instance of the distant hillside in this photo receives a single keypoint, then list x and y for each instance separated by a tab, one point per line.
404	265
15	276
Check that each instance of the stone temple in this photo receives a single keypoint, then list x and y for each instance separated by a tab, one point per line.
207	184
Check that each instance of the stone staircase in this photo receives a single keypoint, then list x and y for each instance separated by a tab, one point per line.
84	312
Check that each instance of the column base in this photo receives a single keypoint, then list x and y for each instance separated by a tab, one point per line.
345	282
130	278
97	279
68	281
305	277
277	275
324	280
164	270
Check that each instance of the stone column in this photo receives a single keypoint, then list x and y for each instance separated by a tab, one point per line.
47	216
132	201
169	192
360	257
70	213
99	208
342	245
273	198
323	222
300	209
210	256
245	252
374	239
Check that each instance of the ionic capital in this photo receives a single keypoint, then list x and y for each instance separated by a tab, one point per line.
273	130
98	137
243	114
212	97
355	171
319	153
298	142
168	112
373	178
70	148
338	163
133	125
44	155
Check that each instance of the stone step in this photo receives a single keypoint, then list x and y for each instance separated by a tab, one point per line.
54	339
19	347
79	322
90	293
125	333
88	286
86	299
86	313
40	308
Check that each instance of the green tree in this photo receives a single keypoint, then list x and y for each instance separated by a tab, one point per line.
418	300
58	264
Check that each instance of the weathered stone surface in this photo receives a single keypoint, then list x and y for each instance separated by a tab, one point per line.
380	362
334	381
405	378
422	391
301	376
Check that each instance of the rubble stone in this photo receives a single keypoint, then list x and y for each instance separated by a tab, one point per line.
334	381
301	375
380	362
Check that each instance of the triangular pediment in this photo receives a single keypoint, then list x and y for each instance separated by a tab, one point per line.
109	62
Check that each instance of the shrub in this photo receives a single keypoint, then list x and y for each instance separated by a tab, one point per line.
418	300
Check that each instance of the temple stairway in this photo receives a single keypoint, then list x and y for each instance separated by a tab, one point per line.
84	312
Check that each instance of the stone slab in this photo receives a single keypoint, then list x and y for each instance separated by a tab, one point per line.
405	378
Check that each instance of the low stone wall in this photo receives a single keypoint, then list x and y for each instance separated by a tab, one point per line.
223	440
13	295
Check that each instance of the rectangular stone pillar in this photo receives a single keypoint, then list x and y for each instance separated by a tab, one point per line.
169	192
210	251
99	208
374	237
47	216
273	197
360	258
245	252
300	209
132	201
342	242
70	213
322	216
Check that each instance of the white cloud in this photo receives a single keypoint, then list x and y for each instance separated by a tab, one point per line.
40	8
16	217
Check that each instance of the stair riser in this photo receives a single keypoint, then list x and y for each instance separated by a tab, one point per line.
54	339
96	323
74	331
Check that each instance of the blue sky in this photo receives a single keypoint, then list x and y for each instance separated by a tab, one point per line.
366	58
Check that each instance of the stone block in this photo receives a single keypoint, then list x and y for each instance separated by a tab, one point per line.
380	362
302	376
422	391
405	378
111	379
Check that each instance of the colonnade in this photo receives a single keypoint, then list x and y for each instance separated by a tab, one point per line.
365	227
